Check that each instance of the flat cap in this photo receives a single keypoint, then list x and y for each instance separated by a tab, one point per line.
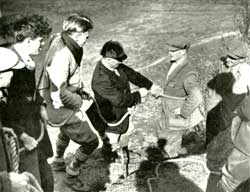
236	49
176	44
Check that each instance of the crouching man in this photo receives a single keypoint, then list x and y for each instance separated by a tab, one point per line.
182	107
110	83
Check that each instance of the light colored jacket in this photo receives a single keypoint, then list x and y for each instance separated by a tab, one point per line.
61	83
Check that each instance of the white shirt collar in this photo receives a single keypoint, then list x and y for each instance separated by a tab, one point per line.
27	60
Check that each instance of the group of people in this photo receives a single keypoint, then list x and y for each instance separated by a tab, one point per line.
56	96
224	106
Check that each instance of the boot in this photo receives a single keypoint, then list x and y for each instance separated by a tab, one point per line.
73	169
58	164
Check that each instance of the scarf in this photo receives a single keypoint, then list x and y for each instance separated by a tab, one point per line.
74	48
107	61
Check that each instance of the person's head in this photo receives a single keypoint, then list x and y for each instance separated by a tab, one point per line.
78	26
235	52
31	30
9	61
178	50
6	29
114	50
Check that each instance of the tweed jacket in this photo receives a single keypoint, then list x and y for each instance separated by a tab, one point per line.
113	94
61	82
184	82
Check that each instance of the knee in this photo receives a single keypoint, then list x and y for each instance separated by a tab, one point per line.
89	147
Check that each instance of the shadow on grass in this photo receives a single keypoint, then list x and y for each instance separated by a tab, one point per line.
94	175
169	180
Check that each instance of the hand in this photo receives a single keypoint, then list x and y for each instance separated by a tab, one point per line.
143	92
44	115
19	182
156	90
177	111
8	130
29	142
86	105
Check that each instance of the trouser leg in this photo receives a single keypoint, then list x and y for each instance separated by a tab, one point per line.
29	163
174	140
47	179
82	134
61	144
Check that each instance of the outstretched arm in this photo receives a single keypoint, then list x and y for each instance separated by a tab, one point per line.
136	78
117	97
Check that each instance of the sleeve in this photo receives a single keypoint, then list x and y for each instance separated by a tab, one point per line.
5	184
244	109
242	82
136	78
69	99
116	97
213	70
194	95
58	73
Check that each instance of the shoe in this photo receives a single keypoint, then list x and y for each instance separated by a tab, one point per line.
58	165
72	171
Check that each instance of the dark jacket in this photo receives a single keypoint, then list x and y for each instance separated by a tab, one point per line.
223	112
113	94
5	165
23	113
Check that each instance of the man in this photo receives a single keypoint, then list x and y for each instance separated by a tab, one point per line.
110	83
236	169
182	108
26	108
219	118
220	96
67	107
9	180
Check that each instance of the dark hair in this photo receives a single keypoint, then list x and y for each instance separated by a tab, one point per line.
113	47
32	26
6	29
77	23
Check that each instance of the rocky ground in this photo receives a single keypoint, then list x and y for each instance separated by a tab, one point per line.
143	27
